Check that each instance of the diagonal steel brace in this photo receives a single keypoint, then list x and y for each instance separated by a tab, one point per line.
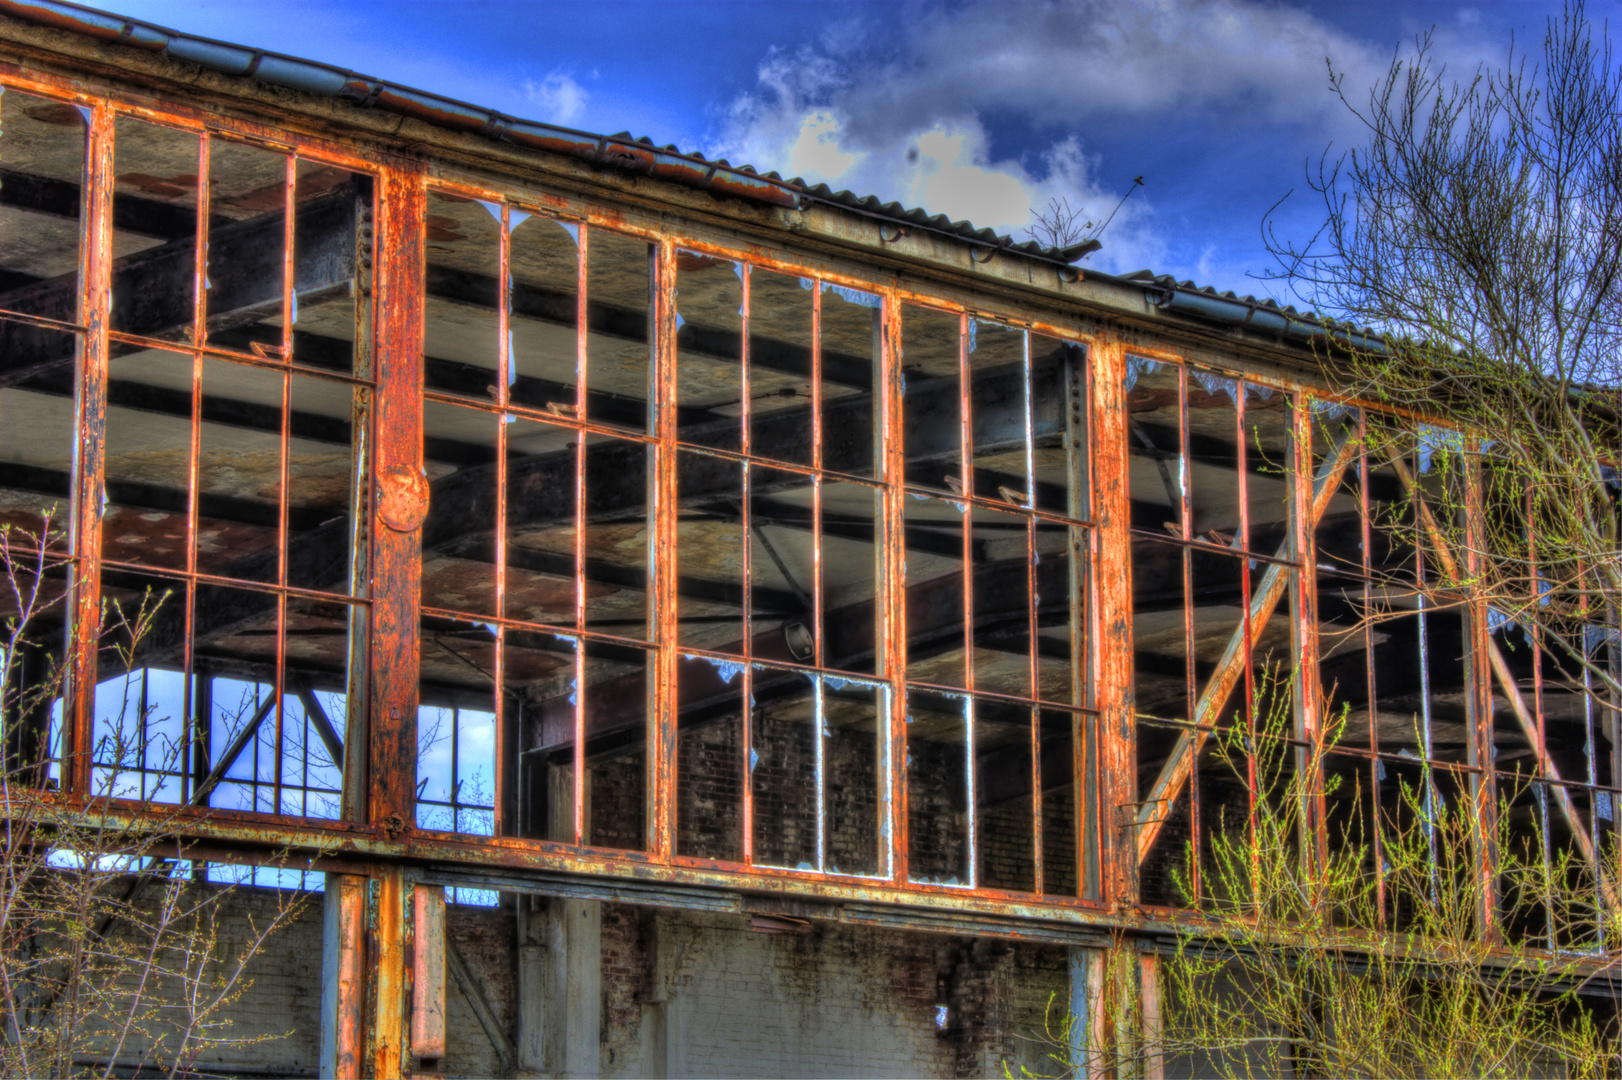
1156	808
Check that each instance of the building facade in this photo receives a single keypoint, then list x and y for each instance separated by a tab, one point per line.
790	630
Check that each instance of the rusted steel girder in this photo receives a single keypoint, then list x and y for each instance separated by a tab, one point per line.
400	498
1112	624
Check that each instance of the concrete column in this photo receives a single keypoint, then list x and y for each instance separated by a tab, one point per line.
662	1043
531	1046
560	986
1088	970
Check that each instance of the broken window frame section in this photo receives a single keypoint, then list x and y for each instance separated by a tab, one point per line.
167	598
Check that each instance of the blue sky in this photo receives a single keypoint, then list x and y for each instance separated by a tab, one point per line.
976	108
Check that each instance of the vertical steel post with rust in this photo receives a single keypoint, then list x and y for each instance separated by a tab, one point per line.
388	1043
402	506
890	457
1478	701
428	961
1152	1015
90	420
343	976
402	500
661	721
1112	633
1084	763
1308	690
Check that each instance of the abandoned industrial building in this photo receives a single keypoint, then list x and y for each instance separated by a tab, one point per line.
683	621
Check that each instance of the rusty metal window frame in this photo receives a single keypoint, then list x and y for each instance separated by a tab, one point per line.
889	681
87	559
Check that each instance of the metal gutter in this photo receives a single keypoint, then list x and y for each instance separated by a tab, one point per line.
1266	316
639	156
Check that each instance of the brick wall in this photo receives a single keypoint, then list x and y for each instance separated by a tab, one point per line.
837	1001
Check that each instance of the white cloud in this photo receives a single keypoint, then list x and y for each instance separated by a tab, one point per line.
1064	61
906	116
558	99
797	121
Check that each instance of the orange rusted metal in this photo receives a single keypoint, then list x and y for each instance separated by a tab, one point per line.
1479	705
389	976
428	949
344	1003
1308	687
402	498
1112	626
90	418
396	555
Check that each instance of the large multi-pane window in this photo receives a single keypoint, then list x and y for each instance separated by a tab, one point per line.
214	482
806	528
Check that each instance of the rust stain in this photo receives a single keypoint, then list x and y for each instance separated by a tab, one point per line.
402	502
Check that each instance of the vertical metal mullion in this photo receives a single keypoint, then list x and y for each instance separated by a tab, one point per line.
577	778
965	422
90	420
1078	484
746	553
890	455
456	769
1424	685
141	714
1366	569
661	736
198	741
1185	518
289	304
972	871
1032	629
1251	747
819	653
356	763
505	362
1534	633
1613	624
